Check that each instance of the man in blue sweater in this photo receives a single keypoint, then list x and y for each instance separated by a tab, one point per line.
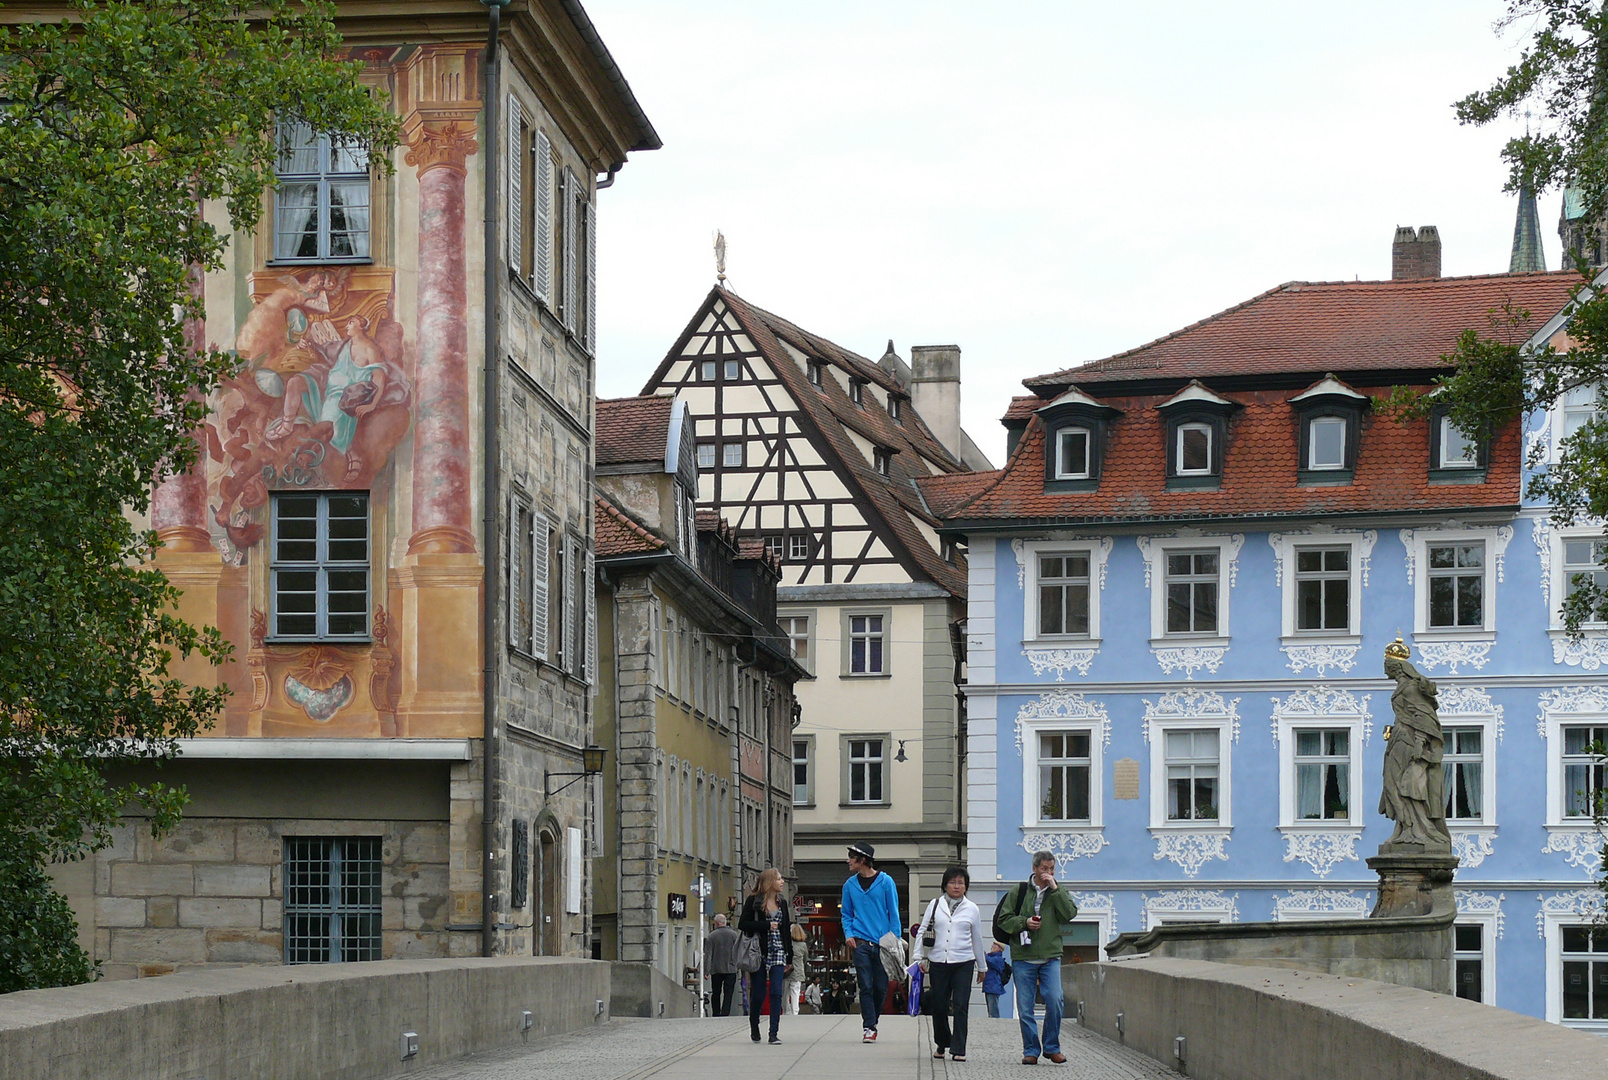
870	909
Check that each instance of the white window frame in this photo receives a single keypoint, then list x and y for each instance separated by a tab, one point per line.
1187	906
1098	551
1418	542
1227	554
726	454
1555	578
1178	448
808	761
1031	730
1486	725
1555	723
1312	442
1489	924
1447	429
1582	906
1284	546
1088	452
1356	724
1156	732
881	761
1558	418
795	540
706	450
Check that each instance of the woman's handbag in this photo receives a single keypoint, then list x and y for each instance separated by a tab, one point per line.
749	953
929	935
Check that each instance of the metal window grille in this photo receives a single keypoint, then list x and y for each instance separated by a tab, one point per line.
321	565
519	882
1323	588
321	207
332	899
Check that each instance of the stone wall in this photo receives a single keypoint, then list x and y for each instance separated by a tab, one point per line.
1239	1022
211	890
314	1021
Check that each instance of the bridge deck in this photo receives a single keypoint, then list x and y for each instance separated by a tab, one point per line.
812	1048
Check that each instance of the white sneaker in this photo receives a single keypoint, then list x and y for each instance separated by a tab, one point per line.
868	1036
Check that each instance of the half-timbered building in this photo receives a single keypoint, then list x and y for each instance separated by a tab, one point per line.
813	451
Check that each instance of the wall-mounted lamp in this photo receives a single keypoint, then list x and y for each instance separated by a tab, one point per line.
591	764
900	755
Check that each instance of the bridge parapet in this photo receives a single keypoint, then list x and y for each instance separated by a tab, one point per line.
289	1023
1238	1022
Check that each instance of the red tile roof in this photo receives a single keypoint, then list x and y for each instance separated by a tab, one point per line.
1259	471
633	430
1320	326
617	534
945	493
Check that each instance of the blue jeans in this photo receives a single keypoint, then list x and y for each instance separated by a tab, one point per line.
873	982
1035	980
993	1005
761	983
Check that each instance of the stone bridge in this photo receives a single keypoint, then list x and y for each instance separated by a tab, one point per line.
553	1019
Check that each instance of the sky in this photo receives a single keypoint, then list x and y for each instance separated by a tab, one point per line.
1041	184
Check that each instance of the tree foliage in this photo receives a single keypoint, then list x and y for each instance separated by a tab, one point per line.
116	124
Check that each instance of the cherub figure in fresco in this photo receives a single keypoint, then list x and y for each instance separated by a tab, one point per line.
353	378
278	322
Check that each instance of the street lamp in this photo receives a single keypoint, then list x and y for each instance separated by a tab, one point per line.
591	765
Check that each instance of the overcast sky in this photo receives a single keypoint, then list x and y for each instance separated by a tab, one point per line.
1042	184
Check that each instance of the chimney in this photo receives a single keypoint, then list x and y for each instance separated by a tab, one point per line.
1415	255
935	391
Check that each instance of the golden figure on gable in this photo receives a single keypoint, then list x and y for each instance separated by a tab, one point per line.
321	398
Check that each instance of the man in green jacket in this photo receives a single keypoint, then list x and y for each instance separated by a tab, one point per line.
1035	916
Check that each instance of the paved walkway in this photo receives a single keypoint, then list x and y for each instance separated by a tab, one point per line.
813	1048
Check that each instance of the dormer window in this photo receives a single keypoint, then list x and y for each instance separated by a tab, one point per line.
1326	443
857	391
1072	446
1455	456
1075	426
882	459
1330	413
893	407
1192	454
1197	430
815	373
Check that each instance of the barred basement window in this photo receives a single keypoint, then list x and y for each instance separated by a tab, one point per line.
332	899
519	879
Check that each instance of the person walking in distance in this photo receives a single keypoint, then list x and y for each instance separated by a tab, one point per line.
799	954
870	910
1036	914
720	964
766	917
949	946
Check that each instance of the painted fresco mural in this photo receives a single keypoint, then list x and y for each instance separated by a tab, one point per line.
321	399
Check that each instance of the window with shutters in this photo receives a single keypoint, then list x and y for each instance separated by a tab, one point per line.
321	204
555	597
527	579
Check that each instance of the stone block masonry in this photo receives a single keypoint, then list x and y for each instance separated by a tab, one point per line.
212	892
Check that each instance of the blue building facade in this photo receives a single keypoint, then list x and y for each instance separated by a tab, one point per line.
1181	587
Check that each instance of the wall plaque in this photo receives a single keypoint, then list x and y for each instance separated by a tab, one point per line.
1125	779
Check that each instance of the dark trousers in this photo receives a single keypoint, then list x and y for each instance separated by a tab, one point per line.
873	982
722	988
762	983
950	986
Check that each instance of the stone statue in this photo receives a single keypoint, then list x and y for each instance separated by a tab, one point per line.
1413	794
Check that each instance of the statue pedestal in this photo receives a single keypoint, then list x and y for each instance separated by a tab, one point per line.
1412	880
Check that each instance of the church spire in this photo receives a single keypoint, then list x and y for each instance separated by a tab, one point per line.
1528	256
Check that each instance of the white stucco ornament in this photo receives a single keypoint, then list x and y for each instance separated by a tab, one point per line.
1066	845
1060	661
1454	654
1191	850
1322	851
1319	903
1190	660
1320	658
1471	847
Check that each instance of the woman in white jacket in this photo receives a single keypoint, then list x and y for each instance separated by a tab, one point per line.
951	947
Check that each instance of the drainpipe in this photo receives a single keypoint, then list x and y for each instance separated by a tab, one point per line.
491	461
